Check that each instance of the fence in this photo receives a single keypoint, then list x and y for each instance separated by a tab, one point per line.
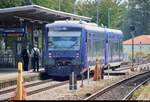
7	60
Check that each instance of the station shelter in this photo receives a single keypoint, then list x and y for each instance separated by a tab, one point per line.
24	26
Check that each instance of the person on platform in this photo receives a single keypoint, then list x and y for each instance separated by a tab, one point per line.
35	58
25	57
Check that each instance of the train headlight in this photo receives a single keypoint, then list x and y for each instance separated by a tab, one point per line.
50	62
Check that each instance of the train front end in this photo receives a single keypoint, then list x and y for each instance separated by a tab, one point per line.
63	51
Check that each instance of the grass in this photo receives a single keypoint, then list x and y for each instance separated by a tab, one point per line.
137	93
141	93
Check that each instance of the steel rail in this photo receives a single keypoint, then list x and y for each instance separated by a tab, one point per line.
41	89
106	89
127	97
26	86
46	88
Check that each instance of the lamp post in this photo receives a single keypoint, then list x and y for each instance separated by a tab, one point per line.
132	28
140	50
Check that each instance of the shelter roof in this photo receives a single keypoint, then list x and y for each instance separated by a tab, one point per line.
38	13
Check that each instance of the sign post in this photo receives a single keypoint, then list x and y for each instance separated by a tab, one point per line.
73	82
88	75
108	71
82	79
102	72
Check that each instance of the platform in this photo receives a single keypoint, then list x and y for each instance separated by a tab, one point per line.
115	72
8	77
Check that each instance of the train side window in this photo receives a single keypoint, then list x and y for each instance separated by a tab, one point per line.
98	49
89	45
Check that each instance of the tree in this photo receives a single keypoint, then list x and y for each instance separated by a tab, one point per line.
88	8
65	5
83	7
52	4
9	3
138	15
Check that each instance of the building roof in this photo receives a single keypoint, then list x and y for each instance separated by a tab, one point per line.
143	39
39	13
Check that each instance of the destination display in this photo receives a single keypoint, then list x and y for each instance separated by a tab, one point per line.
12	31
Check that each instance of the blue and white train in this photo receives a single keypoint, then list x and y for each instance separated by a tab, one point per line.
71	46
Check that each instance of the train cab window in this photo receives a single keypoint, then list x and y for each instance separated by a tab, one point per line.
64	40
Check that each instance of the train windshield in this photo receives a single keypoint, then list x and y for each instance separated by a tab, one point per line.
64	40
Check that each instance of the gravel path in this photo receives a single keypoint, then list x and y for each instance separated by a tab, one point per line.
8	95
63	92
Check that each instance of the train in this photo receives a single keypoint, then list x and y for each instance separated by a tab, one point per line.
72	46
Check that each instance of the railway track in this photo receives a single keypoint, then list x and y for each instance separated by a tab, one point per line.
47	87
26	86
121	89
128	97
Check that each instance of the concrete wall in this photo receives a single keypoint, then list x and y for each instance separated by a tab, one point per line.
139	51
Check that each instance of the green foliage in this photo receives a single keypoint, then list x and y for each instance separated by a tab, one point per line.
40	40
53	4
83	7
89	8
137	93
138	15
9	3
65	5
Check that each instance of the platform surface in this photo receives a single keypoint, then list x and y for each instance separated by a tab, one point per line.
8	77
12	73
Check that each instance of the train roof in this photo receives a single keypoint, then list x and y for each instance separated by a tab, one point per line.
82	24
67	23
118	32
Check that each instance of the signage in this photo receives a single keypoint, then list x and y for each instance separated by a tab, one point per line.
12	30
35	37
